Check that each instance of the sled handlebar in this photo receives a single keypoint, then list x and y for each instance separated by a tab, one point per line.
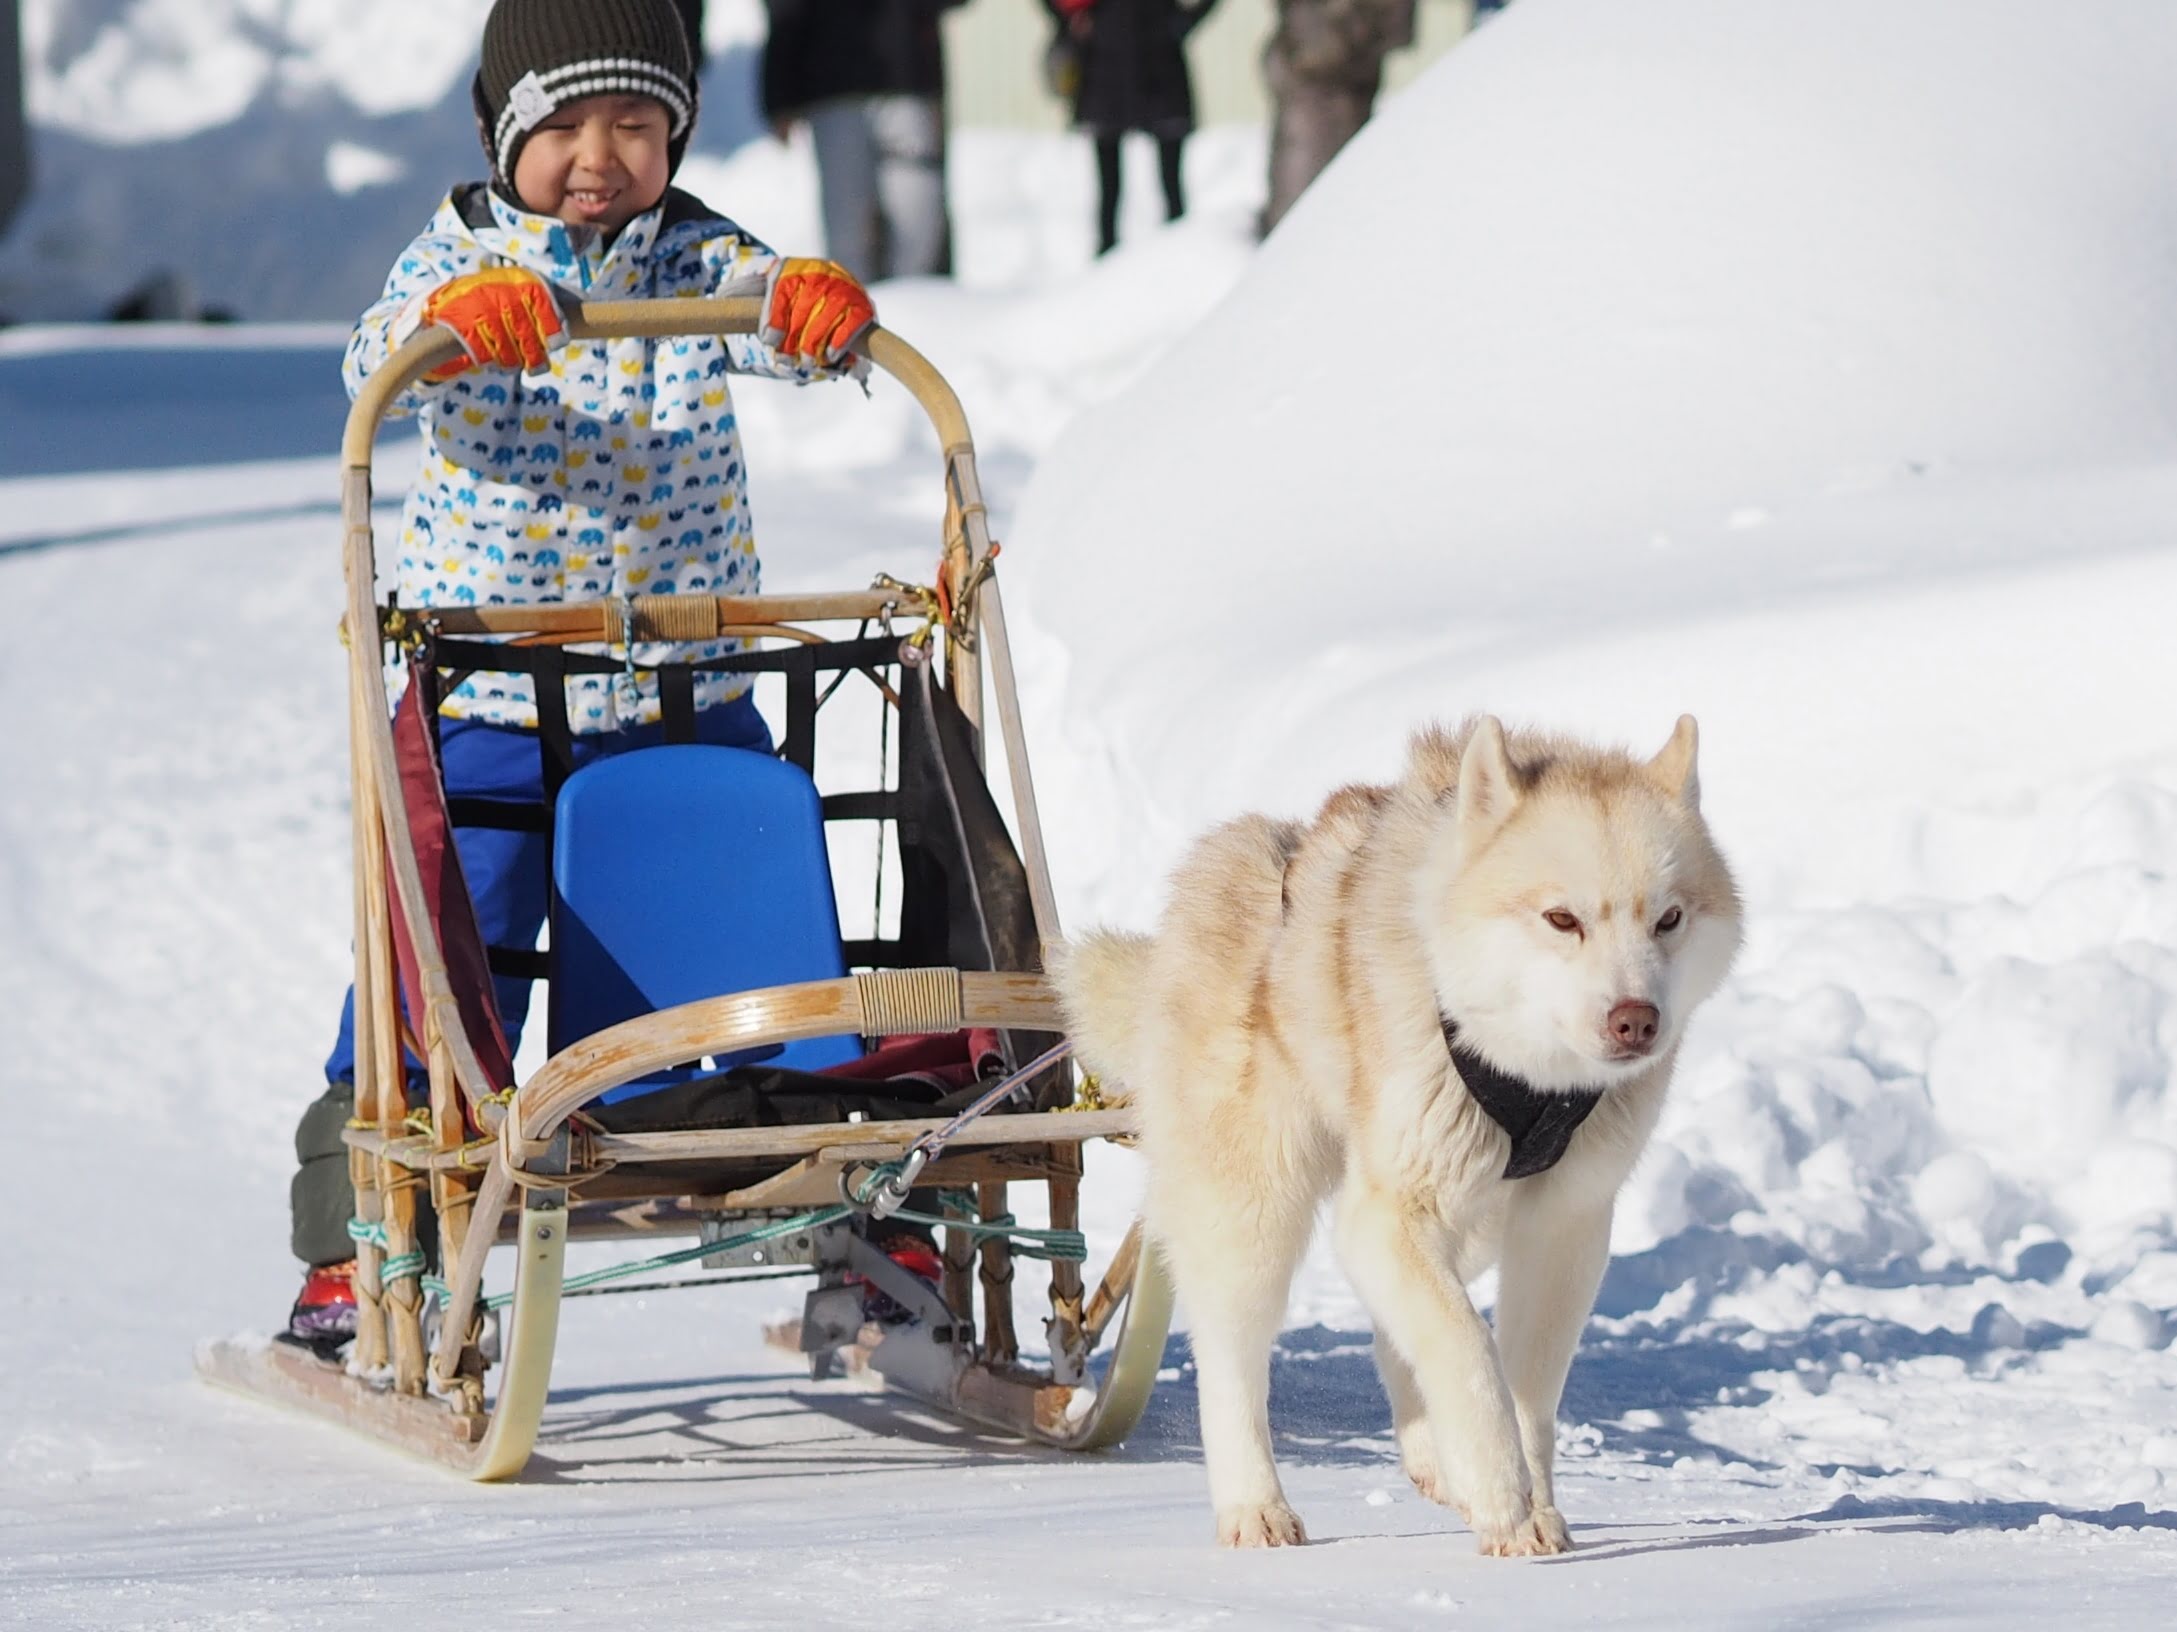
657	320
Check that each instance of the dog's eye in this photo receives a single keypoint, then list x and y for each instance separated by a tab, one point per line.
1562	921
1669	921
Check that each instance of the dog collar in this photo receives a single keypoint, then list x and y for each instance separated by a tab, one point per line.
1540	1124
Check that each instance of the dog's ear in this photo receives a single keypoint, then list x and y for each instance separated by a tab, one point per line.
1488	788
1674	770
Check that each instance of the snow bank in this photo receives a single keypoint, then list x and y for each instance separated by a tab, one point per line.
1630	313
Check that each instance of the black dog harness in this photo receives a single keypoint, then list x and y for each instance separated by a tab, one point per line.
1540	1124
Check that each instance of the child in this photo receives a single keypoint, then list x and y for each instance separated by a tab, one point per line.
559	471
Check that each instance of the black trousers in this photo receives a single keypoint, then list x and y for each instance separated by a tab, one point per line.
1107	183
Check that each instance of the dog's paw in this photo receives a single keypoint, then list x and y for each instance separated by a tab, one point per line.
1541	1534
1417	1456
1272	1524
1432	1485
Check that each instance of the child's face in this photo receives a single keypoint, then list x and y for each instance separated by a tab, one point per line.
597	162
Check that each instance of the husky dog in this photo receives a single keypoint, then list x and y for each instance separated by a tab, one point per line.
1454	1003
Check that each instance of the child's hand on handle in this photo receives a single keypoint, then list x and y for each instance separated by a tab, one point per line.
814	310
503	316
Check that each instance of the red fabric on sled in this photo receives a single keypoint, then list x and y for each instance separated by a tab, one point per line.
453	913
951	1058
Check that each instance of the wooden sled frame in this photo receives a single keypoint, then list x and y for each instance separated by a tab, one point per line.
432	1400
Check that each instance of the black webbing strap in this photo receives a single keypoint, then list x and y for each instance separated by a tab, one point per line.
423	673
507	815
799	748
525	963
676	701
555	736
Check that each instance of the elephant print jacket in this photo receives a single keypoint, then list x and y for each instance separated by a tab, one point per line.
615	472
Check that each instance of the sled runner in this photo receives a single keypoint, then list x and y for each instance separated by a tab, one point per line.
723	1068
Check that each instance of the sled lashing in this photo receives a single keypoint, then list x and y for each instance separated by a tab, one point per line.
724	1069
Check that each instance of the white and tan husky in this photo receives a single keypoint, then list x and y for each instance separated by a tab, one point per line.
1455	1002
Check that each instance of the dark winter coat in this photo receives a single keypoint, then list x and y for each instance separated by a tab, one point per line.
1133	65
821	49
691	18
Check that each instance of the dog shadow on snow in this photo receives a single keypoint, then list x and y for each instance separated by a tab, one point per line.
1635	1392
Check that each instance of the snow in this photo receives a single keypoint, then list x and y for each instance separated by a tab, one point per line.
1809	368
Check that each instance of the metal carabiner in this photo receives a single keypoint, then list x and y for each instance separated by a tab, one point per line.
889	1194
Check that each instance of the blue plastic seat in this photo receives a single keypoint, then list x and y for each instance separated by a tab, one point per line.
687	872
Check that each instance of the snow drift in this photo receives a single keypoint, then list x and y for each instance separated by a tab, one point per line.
1636	311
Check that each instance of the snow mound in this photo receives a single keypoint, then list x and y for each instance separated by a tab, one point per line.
1629	310
1942	1085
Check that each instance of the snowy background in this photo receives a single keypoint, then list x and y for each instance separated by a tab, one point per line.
1811	367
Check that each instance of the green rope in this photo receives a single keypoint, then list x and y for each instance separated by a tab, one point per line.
1053	1246
397	1268
702	1249
666	1260
1066	1246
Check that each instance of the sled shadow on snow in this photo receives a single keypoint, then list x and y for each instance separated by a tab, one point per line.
733	1427
729	1429
1638	1387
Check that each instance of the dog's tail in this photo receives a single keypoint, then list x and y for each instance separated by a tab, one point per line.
1102	981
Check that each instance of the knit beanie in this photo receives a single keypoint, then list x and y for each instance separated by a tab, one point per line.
541	54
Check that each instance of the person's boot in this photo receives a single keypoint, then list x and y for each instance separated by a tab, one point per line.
323	1318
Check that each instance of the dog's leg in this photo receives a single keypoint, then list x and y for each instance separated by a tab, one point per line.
1232	1259
1552	1263
1410	1423
1400	1259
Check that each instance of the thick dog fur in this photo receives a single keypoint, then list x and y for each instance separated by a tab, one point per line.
1282	1033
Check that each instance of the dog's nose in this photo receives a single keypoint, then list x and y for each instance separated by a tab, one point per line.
1632	1026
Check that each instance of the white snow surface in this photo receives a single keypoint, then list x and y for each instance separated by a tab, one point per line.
1810	368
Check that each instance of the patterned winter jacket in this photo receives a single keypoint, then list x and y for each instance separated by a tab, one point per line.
615	472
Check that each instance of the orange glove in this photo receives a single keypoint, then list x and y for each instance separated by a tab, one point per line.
503	316
814	310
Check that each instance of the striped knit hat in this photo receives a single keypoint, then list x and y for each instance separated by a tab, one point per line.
541	54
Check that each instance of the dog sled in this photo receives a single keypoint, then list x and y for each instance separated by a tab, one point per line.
727	1077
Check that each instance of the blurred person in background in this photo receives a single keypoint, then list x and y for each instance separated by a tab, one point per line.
869	77
14	132
1324	66
1123	64
691	18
